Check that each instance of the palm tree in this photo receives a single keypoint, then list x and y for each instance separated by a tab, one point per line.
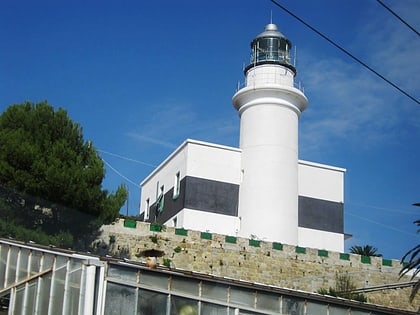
366	250
413	263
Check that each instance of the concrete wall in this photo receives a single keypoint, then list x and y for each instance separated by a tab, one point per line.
264	262
211	221
212	161
321	181
312	238
195	159
166	171
209	176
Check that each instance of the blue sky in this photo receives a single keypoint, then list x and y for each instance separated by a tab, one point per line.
142	76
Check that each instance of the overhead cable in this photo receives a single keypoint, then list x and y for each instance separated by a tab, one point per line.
120	174
381	224
398	17
126	158
381	208
345	51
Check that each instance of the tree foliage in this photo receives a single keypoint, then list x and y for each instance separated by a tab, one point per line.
43	154
366	250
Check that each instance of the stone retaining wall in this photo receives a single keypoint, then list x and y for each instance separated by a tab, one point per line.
270	263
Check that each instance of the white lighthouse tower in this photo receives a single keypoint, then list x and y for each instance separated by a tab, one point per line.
261	189
269	107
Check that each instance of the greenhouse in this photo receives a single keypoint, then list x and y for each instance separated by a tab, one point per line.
42	280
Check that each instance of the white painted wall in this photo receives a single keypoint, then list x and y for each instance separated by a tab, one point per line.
269	190
321	239
164	174
267	74
269	108
213	162
192	158
206	222
321	181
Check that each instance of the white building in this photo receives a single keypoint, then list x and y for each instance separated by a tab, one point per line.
259	190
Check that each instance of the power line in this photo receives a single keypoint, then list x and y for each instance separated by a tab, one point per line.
398	17
381	224
381	208
120	174
126	158
345	51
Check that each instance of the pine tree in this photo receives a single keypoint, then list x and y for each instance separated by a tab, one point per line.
43	154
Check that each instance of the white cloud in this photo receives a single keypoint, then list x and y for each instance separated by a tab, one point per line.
169	124
394	48
152	140
348	104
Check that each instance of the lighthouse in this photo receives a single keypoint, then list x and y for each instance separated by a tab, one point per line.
269	107
259	190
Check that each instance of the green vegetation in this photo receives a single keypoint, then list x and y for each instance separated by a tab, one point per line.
61	239
167	262
51	179
367	250
154	238
413	263
343	288
27	218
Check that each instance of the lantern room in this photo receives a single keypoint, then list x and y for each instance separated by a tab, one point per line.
271	47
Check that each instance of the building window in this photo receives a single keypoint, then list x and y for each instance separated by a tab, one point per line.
157	190
160	200
147	209
177	185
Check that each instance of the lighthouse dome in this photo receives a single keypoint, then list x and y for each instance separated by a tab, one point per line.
270	30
